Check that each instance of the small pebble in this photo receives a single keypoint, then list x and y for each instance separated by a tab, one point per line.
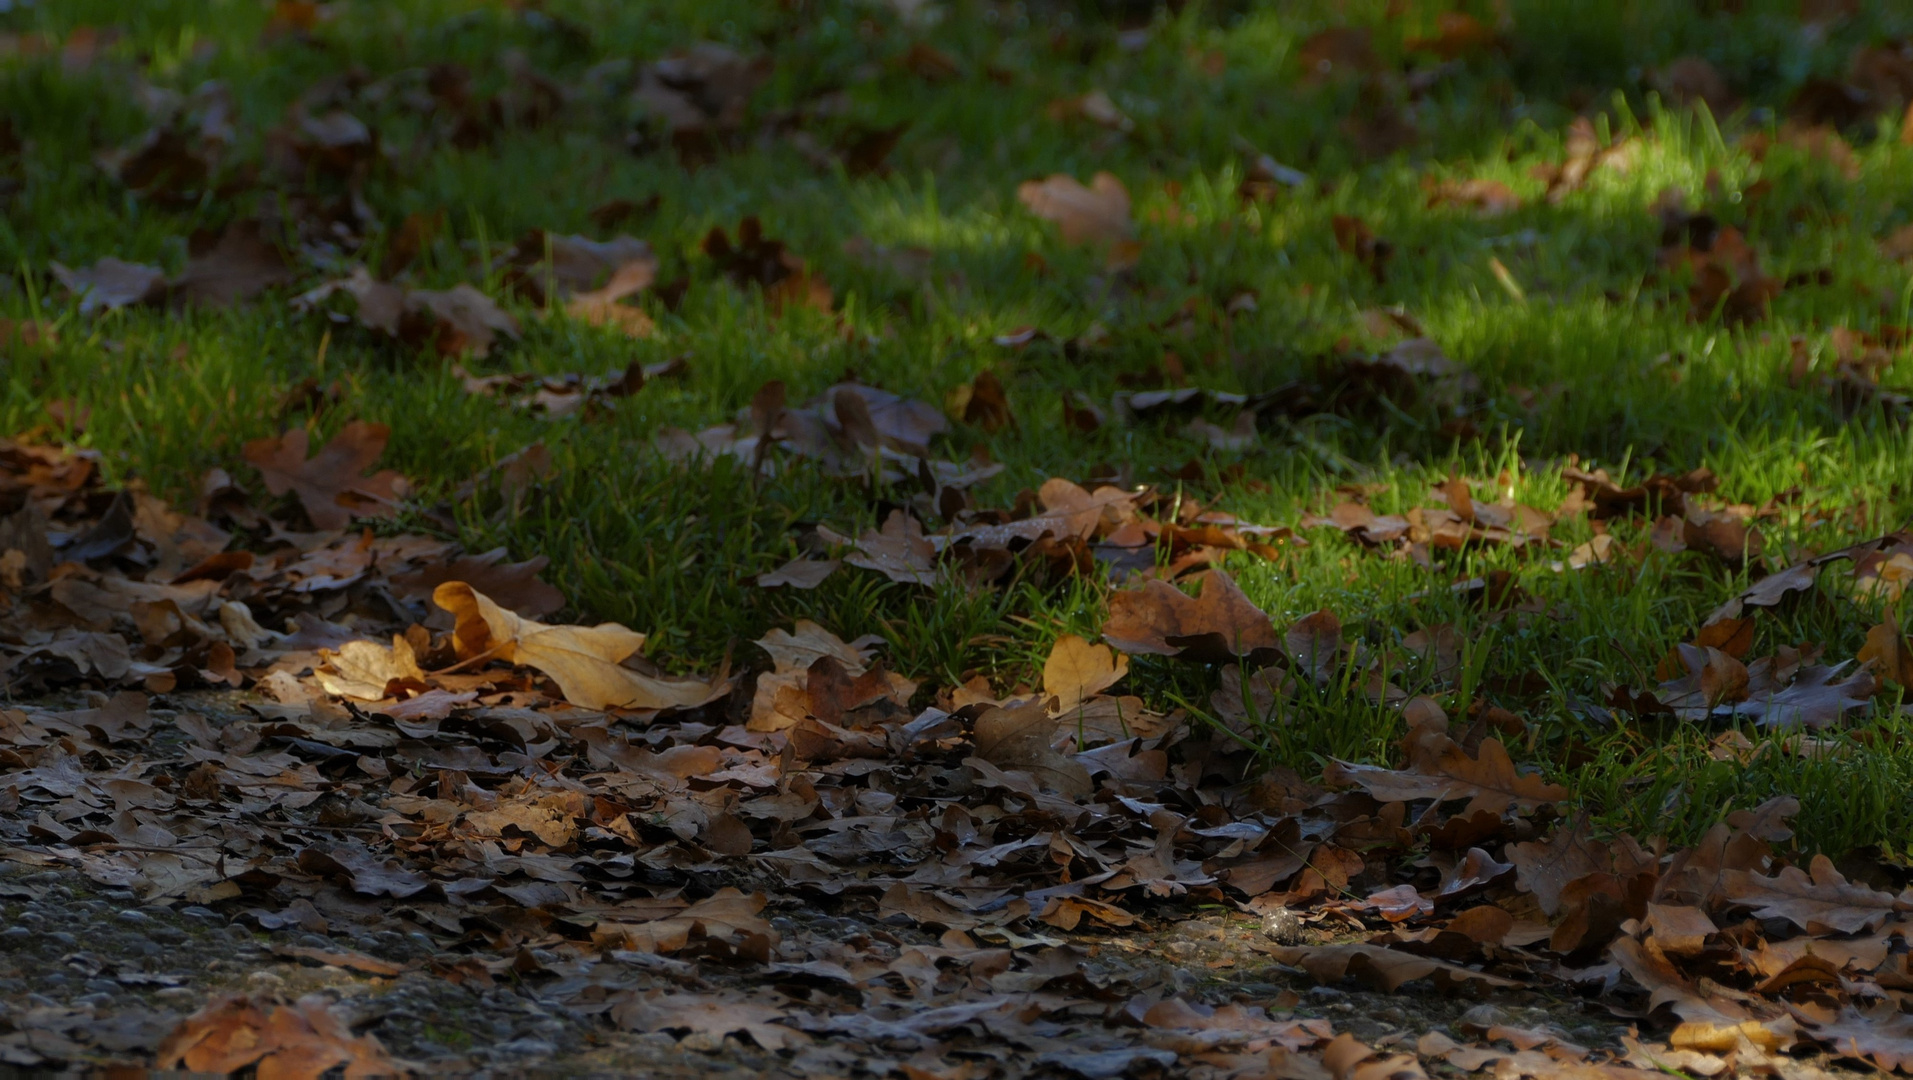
526	1048
1481	1018
132	915
1283	925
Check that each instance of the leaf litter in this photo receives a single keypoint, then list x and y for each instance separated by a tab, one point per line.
538	801
825	862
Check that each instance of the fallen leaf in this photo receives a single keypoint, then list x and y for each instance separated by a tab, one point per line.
582	660
1097	214
1077	670
331	485
112	283
1023	737
1445	772
1383	969
1218	626
1819	901
233	1032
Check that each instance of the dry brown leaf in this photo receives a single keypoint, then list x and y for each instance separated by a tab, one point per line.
1489	781
1097	214
799	573
512	585
233	1032
1218	626
584	661
364	669
1383	969
240	266
1077	670
1886	652
898	551
1023	736
727	916
331	485
1819	900
705	1019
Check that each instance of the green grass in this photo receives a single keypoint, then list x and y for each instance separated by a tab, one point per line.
637	540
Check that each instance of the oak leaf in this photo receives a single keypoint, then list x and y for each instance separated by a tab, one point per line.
1382	969
1216	627
705	1019
299	1040
1819	900
331	485
1022	736
513	585
112	283
1489	781
582	660
727	916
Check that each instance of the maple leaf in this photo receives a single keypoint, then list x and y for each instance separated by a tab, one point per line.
1218	626
1446	772
1819	900
582	660
331	485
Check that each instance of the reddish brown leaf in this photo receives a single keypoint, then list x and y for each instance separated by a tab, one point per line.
1217	626
1489	782
331	485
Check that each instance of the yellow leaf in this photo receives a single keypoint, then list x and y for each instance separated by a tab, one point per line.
582	660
